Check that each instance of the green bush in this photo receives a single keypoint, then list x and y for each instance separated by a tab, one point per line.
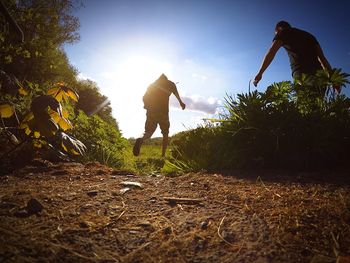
103	141
302	125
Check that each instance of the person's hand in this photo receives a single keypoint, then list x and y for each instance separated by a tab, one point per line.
257	78
183	105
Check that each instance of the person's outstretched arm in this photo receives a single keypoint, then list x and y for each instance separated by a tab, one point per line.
176	93
324	62
267	60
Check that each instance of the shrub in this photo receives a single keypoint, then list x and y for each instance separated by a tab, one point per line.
103	141
302	125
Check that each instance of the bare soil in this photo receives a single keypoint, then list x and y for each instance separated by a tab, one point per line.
70	212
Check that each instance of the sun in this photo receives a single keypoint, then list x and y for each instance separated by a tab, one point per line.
135	73
128	80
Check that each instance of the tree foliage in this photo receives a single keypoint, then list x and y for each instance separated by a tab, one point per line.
35	81
47	25
92	102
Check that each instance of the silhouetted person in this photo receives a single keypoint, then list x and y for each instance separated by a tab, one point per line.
304	51
156	102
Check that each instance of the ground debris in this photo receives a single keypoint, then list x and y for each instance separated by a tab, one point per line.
131	184
92	193
81	216
177	200
33	207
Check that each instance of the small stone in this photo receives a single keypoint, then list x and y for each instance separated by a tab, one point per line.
34	206
85	224
86	207
131	184
92	193
167	230
153	199
22	213
144	223
60	172
204	225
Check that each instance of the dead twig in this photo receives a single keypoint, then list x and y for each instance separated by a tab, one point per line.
175	200
336	247
263	184
132	253
115	220
219	234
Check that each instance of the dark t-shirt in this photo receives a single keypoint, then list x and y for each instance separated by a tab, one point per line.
301	48
157	95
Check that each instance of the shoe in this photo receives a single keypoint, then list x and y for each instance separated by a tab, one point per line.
137	147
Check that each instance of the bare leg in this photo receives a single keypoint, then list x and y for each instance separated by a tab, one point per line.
165	144
150	127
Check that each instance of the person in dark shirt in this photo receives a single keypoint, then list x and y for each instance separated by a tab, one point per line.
156	102
304	51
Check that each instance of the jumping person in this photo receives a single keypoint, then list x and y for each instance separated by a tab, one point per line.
304	51
156	102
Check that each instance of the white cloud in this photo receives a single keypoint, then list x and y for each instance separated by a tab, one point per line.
198	103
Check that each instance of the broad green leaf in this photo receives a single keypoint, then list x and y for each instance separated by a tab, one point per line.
27	131
72	145
73	95
54	115
6	110
53	92
61	121
65	124
22	91
65	113
37	143
61	91
26	119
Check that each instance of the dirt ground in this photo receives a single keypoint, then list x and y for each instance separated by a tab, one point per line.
69	212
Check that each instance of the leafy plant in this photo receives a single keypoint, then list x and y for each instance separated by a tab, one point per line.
104	142
302	125
46	120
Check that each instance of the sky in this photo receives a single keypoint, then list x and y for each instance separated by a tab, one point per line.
208	48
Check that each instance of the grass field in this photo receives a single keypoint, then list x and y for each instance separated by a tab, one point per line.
150	160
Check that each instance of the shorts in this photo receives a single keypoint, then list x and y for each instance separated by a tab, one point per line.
153	119
308	71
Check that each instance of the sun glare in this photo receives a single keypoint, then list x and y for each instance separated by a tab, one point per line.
128	82
137	72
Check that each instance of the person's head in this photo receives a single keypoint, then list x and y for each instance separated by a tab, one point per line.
281	25
163	77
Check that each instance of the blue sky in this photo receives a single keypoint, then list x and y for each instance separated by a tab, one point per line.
209	47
